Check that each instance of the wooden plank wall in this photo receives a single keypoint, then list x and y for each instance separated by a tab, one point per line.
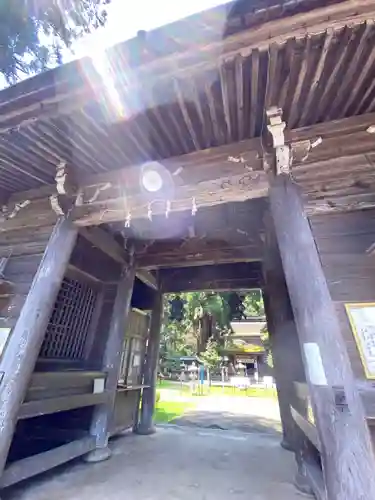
25	250
342	241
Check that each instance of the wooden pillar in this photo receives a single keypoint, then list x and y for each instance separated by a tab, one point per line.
346	448
286	352
102	416
20	355
145	425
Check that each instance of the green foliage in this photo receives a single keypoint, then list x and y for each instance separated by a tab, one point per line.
253	303
33	33
267	345
173	335
211	356
183	337
200	303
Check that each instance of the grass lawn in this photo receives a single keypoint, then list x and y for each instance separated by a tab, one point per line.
253	392
167	411
168	407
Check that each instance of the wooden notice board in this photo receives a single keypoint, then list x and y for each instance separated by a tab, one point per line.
362	320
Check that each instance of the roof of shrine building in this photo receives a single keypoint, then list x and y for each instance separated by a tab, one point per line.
195	92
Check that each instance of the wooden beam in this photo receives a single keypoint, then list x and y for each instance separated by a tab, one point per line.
146	425
366	391
105	242
37	464
51	405
308	429
217	285
209	178
216	235
286	349
147	278
214	176
201	256
347	452
102	415
287	356
21	352
215	277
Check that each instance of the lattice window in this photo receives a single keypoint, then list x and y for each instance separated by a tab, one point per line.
69	323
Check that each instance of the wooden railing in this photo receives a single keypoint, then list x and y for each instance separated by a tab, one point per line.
307	425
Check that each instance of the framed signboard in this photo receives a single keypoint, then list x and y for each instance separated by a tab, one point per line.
362	321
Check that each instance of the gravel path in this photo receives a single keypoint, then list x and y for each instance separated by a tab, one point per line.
246	414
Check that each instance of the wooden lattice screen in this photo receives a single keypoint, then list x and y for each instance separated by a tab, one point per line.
69	323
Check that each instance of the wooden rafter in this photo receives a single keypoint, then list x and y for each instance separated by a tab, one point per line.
307	57
339	103
319	19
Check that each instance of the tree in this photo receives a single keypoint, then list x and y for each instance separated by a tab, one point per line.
33	33
205	315
205	320
253	303
265	337
174	338
211	355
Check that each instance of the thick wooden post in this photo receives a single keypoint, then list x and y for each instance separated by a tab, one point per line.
145	425
102	416
22	350
346	448
286	352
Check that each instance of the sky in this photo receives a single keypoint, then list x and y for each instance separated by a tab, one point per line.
125	19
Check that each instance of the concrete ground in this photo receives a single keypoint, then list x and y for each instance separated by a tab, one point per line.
176	463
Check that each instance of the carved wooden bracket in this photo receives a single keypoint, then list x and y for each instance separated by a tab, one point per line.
286	154
300	149
7	213
62	202
276	127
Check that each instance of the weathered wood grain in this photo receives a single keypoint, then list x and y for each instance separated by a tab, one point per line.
101	419
219	277
343	241
340	168
347	454
145	425
19	358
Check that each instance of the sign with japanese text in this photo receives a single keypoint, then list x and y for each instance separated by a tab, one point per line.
362	321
